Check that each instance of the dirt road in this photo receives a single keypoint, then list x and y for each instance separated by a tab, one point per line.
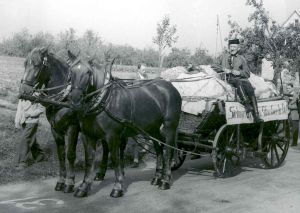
194	190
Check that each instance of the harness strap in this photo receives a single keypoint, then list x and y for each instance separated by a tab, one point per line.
75	62
52	88
143	132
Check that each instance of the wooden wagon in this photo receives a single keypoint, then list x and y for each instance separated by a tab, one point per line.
227	133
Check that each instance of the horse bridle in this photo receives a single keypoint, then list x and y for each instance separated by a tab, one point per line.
34	84
82	89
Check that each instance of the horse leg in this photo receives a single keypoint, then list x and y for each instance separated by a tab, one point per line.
122	154
102	167
170	135
114	147
60	147
89	151
156	180
72	136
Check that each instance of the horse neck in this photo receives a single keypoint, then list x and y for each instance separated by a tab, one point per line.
58	71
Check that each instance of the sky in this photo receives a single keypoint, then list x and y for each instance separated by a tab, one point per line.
134	22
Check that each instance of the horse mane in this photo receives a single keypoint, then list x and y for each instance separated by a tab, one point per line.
59	69
98	74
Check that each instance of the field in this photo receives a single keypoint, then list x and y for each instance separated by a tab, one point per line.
11	70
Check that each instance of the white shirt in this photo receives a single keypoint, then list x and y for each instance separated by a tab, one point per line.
27	113
267	70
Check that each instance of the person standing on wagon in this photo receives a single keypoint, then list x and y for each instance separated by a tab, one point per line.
27	118
237	72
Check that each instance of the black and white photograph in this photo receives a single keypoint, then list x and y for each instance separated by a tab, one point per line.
149	106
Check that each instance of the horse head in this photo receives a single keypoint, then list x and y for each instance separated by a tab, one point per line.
86	77
35	74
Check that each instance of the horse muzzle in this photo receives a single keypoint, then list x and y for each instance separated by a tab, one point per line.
76	106
25	89
76	100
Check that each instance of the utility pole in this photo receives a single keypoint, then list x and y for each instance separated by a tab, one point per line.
218	37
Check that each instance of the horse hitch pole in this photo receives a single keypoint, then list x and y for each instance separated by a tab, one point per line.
44	101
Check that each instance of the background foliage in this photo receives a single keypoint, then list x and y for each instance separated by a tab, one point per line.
90	44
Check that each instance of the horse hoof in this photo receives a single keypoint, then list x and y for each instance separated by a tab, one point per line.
69	189
80	193
59	186
76	192
115	193
99	177
156	181
164	185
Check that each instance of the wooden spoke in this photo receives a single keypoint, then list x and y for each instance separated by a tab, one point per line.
277	144
275	134
225	154
276	152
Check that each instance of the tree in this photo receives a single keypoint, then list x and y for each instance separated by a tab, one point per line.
149	57
91	46
18	45
178	57
266	36
201	57
66	37
165	37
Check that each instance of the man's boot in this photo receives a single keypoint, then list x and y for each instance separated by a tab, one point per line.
255	112
245	100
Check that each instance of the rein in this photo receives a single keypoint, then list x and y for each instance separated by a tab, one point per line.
97	91
51	88
132	125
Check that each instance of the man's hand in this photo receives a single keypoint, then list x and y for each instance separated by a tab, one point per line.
26	115
36	94
235	72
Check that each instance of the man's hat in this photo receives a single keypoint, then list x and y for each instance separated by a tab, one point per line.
233	41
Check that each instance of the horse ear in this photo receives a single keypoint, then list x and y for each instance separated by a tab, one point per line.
112	63
71	56
44	50
91	61
110	68
107	76
92	80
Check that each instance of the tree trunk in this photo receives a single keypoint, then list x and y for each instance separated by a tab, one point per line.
161	61
161	57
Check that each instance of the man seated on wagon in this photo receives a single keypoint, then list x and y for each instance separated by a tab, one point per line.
237	73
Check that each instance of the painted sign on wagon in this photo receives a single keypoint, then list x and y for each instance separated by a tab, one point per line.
268	111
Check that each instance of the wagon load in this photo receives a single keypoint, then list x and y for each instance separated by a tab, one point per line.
199	90
263	89
172	73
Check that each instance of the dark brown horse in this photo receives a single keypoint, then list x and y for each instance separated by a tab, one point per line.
43	68
118	112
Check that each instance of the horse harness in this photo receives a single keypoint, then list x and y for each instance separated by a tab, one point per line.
104	95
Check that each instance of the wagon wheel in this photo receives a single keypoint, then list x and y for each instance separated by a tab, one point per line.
225	153
275	142
179	157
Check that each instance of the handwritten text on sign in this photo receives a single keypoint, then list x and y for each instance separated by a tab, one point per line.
268	111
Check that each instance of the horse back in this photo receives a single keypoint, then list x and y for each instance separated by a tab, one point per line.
148	103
